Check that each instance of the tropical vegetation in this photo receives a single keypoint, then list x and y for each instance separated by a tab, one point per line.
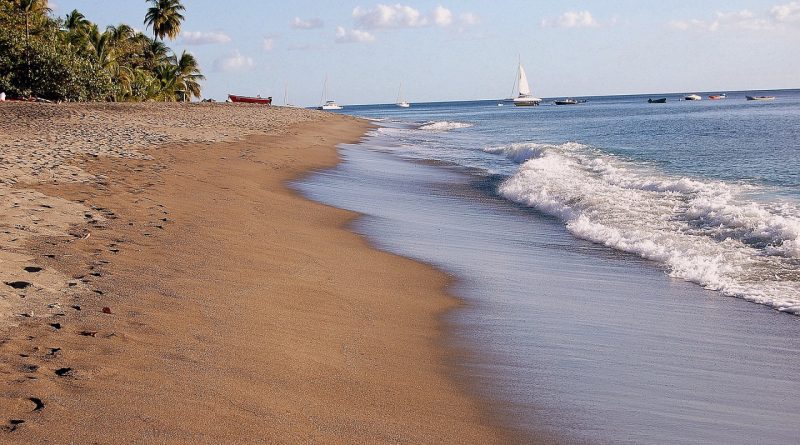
72	59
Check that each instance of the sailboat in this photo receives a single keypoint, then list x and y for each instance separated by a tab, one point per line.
328	104
525	99
400	101
286	97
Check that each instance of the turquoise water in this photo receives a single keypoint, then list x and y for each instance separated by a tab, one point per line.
631	269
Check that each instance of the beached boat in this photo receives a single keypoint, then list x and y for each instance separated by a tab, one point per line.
692	97
760	97
328	104
662	100
717	96
400	101
250	100
566	102
525	98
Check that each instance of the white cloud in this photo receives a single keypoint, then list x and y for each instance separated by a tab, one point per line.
204	38
385	16
469	19
736	20
298	23
572	19
268	44
788	13
400	16
352	36
442	16
234	61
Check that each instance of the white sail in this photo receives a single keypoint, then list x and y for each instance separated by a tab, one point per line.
524	89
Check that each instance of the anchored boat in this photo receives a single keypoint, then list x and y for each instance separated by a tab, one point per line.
250	100
525	98
328	104
566	102
400	101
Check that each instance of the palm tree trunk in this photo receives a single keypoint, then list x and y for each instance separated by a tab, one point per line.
28	48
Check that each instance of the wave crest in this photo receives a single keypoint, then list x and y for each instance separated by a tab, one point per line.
443	125
707	232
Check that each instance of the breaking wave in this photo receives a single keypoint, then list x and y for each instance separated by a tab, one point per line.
712	233
443	125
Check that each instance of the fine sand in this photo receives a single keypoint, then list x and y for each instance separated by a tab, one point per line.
162	285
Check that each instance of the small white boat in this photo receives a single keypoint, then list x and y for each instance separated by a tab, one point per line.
693	97
525	98
326	103
760	97
330	105
400	101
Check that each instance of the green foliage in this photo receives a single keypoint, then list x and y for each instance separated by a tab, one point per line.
70	58
165	17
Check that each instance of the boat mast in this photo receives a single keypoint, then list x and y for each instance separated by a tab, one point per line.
516	77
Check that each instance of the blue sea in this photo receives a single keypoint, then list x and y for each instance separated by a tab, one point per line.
631	270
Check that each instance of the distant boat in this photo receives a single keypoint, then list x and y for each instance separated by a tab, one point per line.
717	96
400	101
692	97
525	99
760	97
286	97
326	103
662	100
330	105
250	100
566	102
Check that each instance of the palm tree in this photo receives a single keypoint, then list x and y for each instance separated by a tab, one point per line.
189	77
121	34
166	76
28	7
101	46
164	16
75	21
155	53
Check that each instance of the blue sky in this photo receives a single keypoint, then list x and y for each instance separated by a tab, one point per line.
465	50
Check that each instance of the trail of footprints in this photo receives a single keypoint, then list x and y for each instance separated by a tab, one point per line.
50	361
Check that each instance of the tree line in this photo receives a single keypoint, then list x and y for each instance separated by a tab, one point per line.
72	59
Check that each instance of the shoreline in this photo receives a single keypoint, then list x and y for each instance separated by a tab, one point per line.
262	321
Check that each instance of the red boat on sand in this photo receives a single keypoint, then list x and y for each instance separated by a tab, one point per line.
250	100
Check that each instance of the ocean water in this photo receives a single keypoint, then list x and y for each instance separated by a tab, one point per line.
632	270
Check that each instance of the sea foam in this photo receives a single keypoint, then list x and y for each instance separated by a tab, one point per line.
707	232
443	125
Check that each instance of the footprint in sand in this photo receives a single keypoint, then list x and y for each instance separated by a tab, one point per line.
19	284
63	372
13	424
39	405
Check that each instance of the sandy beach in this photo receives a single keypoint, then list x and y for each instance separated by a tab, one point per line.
162	285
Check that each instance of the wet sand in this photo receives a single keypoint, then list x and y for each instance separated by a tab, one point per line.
186	296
